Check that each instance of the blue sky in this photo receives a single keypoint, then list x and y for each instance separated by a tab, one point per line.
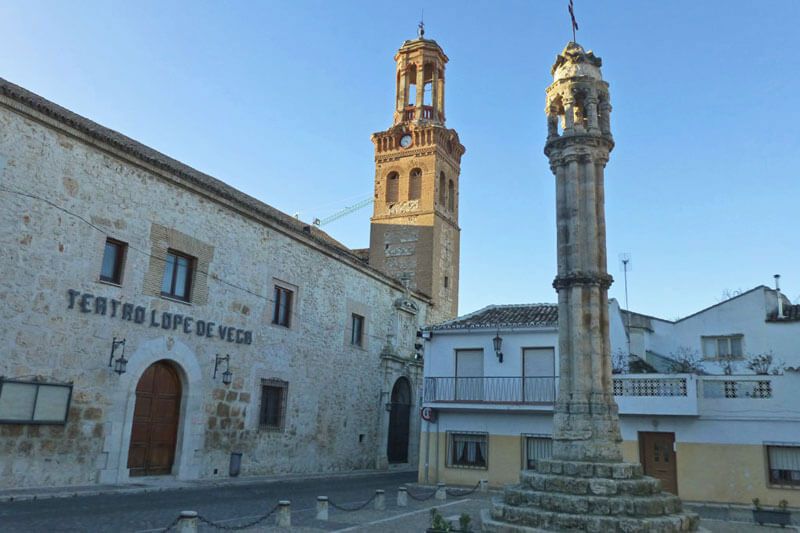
279	99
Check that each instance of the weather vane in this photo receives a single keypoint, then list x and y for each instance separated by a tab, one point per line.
574	22
421	26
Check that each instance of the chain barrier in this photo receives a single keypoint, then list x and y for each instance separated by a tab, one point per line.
241	526
420	498
349	509
173	524
458	493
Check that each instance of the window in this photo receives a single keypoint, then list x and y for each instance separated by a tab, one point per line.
357	330
273	404
30	402
536	447
727	346
392	187
469	375
113	258
177	281
784	465
468	450
446	282
451	196
283	306
442	192
415	184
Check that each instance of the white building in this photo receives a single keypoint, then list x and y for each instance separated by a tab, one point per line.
708	437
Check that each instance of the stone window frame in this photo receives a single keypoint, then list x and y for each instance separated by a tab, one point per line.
729	338
449	463
190	274
293	303
793	484
283	387
119	268
162	240
524	445
356	308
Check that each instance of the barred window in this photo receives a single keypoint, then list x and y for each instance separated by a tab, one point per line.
468	450
784	465
273	404
536	447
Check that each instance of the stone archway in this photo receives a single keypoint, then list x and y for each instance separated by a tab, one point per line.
399	421
156	418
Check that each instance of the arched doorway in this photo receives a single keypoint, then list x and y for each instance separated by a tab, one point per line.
399	422
155	421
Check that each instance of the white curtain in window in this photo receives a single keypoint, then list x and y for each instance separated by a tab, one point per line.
460	444
784	458
482	447
539	448
472	452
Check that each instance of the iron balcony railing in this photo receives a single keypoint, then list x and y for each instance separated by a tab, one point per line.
521	390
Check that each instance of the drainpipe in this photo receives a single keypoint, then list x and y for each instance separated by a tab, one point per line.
437	450
778	294
427	449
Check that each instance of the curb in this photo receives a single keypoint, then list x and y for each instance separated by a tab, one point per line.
108	490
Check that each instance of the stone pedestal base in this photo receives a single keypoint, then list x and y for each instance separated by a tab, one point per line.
579	496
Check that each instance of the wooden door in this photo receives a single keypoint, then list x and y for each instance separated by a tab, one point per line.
155	421
657	452
399	421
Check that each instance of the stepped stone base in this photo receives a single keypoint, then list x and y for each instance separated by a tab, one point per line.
580	496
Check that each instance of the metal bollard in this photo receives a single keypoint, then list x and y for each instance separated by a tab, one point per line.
380	500
484	485
441	493
187	523
284	518
402	497
322	507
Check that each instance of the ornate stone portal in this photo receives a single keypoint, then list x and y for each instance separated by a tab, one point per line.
585	486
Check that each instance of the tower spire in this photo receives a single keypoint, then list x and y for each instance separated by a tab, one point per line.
421	26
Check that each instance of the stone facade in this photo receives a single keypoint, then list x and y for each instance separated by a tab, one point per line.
414	233
586	486
66	186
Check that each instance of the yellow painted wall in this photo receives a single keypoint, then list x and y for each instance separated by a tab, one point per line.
707	472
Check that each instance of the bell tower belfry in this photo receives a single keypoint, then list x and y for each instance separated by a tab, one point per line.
414	233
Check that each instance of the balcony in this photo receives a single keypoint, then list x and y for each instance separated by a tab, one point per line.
731	397
410	112
635	393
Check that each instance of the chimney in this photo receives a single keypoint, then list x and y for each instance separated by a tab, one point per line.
778	294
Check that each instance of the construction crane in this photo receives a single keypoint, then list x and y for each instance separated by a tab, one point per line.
344	212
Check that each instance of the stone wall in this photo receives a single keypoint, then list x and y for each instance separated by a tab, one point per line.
63	193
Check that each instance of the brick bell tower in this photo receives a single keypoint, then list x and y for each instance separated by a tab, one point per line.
414	233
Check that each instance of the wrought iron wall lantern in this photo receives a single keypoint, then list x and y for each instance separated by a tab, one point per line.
498	345
121	364
227	376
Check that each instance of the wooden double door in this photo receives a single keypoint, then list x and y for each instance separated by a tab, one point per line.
658	457
155	421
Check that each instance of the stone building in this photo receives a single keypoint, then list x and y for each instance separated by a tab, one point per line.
414	233
159	322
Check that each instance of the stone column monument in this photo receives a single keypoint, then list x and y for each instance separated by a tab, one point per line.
585	486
